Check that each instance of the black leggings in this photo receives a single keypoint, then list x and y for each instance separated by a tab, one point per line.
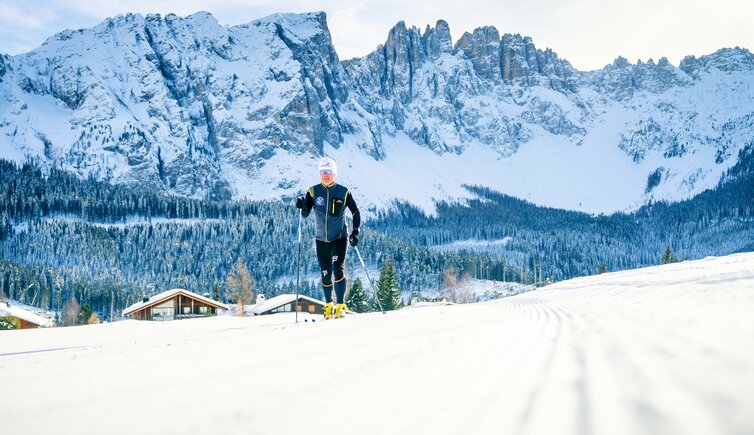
332	262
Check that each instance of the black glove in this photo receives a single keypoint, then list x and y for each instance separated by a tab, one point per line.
353	239
300	202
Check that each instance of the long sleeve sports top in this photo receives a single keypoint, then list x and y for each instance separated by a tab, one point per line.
329	204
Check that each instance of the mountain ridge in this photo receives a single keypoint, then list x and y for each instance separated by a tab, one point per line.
188	106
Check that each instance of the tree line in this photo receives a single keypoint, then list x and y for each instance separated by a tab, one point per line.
62	237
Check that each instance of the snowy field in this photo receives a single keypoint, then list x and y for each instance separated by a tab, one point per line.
662	350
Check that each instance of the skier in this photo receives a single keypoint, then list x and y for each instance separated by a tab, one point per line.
329	201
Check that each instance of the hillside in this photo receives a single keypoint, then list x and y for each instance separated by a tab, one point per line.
62	237
188	106
665	349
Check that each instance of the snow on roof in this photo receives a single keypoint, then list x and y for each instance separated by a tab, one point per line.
277	301
23	314
169	294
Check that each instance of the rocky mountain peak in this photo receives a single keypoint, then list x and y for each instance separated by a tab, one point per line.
437	40
169	99
2	66
483	49
726	60
306	26
192	107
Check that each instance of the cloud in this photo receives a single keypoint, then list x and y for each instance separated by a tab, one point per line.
21	14
588	33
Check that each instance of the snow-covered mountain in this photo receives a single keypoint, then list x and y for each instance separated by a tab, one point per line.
667	350
192	107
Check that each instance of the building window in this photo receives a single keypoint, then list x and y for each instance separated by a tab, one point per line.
167	304
282	309
162	313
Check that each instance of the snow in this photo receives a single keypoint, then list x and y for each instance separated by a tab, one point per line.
252	67
473	245
280	300
130	221
592	176
589	174
666	349
12	309
303	26
473	290
8	151
484	289
550	172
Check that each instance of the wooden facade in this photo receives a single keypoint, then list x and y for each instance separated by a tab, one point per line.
24	318
27	325
21	323
305	305
310	308
175	305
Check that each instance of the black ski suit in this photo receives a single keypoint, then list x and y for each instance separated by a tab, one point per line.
329	204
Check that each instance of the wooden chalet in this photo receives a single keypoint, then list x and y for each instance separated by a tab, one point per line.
287	303
26	319
174	304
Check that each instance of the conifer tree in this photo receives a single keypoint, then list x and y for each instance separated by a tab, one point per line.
5	227
388	291
216	292
106	267
357	300
668	256
85	314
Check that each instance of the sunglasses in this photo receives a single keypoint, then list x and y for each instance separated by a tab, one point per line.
325	172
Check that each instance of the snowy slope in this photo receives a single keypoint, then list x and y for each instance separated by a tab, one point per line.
667	349
189	106
177	104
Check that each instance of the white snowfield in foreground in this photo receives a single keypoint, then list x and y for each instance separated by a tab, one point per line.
662	350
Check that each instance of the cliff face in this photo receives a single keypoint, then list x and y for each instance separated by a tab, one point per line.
173	103
189	106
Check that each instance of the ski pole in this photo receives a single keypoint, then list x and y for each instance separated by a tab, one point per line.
371	284
298	262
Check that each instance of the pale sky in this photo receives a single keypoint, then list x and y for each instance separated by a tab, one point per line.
588	33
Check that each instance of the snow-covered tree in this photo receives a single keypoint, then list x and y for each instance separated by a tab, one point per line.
54	255
5	227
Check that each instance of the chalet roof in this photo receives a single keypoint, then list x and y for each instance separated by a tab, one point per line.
21	313
161	297
279	301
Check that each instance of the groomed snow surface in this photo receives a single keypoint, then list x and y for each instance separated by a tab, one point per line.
662	350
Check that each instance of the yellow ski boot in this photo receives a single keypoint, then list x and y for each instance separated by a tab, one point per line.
340	310
328	310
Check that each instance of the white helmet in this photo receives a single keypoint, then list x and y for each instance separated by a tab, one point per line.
328	163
